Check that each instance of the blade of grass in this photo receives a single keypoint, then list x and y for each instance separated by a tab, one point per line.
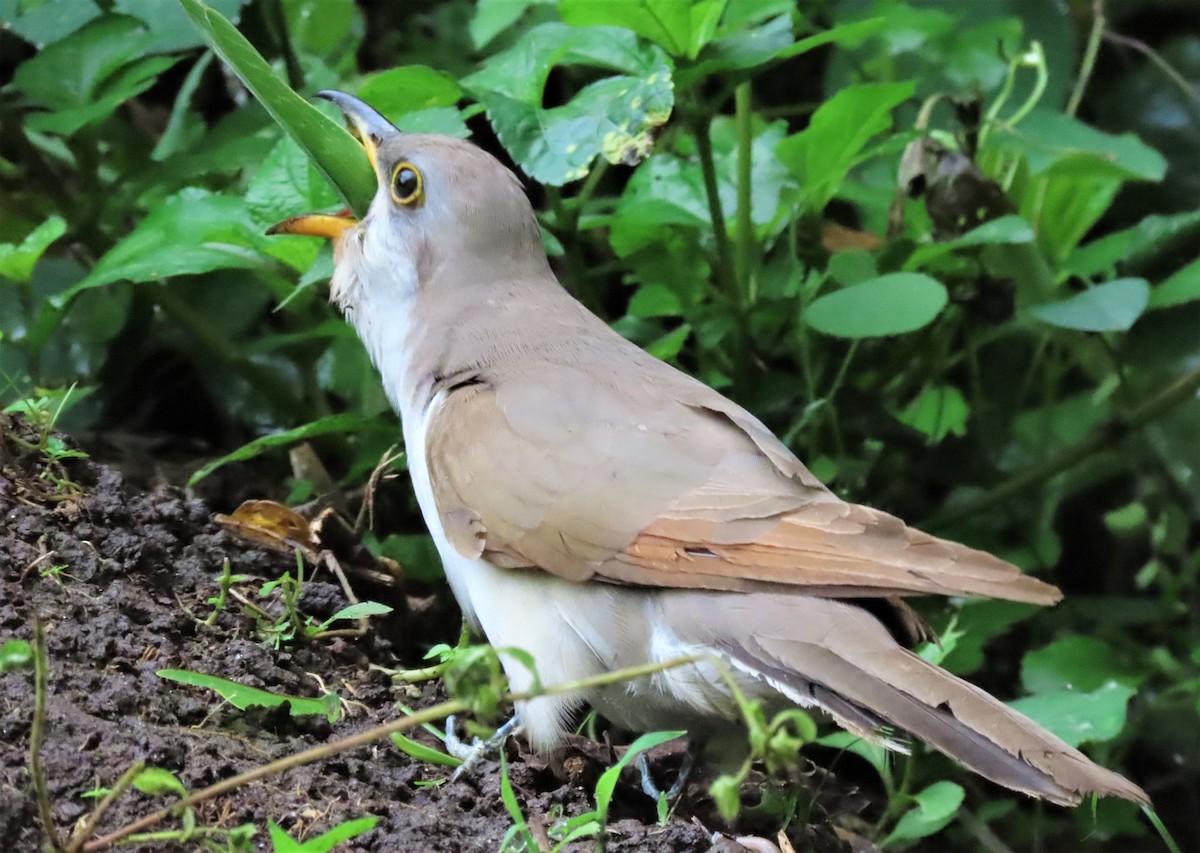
334	151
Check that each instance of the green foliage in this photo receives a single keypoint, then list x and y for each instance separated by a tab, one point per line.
958	292
281	842
14	655
242	696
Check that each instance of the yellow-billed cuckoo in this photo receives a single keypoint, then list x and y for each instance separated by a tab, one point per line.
600	509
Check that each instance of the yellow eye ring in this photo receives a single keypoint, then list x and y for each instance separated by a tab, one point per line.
408	187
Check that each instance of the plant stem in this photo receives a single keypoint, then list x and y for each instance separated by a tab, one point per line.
1175	392
725	268
88	829
745	223
1088	63
37	730
566	222
326	750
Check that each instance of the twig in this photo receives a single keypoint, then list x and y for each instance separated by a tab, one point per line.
37	730
435	712
1090	51
88	829
1161	64
1175	392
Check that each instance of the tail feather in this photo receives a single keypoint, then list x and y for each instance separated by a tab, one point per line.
839	657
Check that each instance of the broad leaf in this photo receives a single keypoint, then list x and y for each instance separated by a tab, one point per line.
938	411
889	305
1074	663
821	155
1079	717
1183	286
17	260
337	154
194	231
935	807
409	88
680	26
615	116
1110	307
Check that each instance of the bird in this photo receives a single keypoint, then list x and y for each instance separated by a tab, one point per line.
600	509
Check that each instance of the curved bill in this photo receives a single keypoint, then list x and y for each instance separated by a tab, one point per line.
371	129
364	121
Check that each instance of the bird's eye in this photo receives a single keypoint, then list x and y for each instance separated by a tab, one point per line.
407	185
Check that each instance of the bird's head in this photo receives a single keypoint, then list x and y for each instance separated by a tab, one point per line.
446	214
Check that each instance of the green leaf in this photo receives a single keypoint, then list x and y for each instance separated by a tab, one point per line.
872	753
1133	246
493	17
44	23
281	842
337	154
608	780
1183	286
892	304
938	411
421	752
14	655
17	260
288	183
751	47
1005	230
1057	144
408	88
821	155
935	807
1079	717
155	780
169	28
361	610
669	345
615	116
83	78
242	696
330	839
1074	663
680	26
72	71
343	422
193	231
1110	307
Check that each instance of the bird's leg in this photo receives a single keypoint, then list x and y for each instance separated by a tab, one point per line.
471	754
651	789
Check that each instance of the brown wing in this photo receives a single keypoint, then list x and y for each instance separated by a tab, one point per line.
654	479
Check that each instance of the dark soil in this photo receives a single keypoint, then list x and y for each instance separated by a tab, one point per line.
121	580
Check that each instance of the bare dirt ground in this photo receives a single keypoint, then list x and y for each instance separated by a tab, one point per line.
121	579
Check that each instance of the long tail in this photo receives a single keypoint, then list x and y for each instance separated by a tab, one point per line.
839	657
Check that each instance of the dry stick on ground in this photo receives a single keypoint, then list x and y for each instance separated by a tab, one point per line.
435	712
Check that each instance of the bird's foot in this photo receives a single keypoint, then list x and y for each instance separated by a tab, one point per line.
651	789
471	754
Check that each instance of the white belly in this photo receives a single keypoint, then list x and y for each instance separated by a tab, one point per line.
566	627
572	631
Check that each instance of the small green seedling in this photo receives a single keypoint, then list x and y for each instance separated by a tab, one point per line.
281	842
592	824
15	655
